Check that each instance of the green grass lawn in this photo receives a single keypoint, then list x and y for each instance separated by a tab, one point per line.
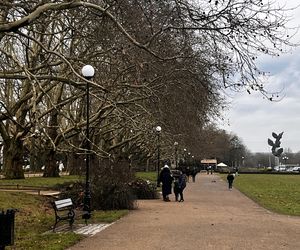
278	193
151	176
42	181
35	216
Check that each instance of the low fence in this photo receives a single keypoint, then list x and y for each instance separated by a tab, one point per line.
17	187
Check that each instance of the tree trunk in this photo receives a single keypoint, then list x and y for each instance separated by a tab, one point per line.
75	164
13	159
51	165
147	164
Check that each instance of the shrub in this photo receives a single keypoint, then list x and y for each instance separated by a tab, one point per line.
110	189
73	190
112	196
144	189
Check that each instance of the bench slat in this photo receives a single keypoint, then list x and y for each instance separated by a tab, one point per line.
62	201
61	204
64	207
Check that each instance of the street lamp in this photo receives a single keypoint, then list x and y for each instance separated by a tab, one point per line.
184	155
88	73
189	158
285	158
175	155
158	130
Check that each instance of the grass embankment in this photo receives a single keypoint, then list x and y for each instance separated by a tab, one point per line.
35	216
151	176
41	181
278	193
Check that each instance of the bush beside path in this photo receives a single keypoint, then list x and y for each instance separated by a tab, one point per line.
212	217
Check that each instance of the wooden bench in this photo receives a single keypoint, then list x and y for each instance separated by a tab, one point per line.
64	210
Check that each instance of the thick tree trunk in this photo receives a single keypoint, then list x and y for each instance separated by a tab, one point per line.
13	160
76	164
51	165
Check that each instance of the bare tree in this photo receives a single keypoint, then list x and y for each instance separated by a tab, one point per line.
155	61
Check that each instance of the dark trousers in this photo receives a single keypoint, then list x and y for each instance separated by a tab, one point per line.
179	194
230	184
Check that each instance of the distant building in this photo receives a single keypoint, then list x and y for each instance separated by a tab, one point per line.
206	163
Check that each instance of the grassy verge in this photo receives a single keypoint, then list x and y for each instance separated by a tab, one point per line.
151	176
278	193
35	216
41	181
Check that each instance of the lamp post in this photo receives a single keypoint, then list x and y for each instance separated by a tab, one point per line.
158	130
88	73
285	158
175	155
189	159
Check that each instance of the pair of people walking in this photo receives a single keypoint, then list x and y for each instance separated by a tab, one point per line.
166	178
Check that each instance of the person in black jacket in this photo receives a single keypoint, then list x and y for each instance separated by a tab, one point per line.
230	178
194	173
166	178
181	185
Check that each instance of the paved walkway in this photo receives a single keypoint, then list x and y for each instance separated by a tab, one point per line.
212	217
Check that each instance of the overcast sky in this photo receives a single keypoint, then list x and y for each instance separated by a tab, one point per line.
254	119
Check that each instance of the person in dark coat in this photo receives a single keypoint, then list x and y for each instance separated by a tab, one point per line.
176	190
166	178
181	185
187	173
194	173
230	178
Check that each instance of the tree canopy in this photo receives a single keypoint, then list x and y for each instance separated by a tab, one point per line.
157	62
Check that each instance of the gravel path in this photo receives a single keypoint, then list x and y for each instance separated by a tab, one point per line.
212	217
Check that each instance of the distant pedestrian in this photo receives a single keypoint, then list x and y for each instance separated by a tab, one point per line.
236	171
208	169
230	178
188	173
194	173
166	178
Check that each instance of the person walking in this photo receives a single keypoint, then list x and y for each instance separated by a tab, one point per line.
166	178
194	173
208	169
236	171
230	178
176	174
181	184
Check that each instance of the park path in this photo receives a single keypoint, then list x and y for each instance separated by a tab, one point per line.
212	217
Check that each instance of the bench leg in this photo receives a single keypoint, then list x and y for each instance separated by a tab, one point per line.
56	221
71	222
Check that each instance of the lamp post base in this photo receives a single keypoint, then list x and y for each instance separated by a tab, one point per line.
87	205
